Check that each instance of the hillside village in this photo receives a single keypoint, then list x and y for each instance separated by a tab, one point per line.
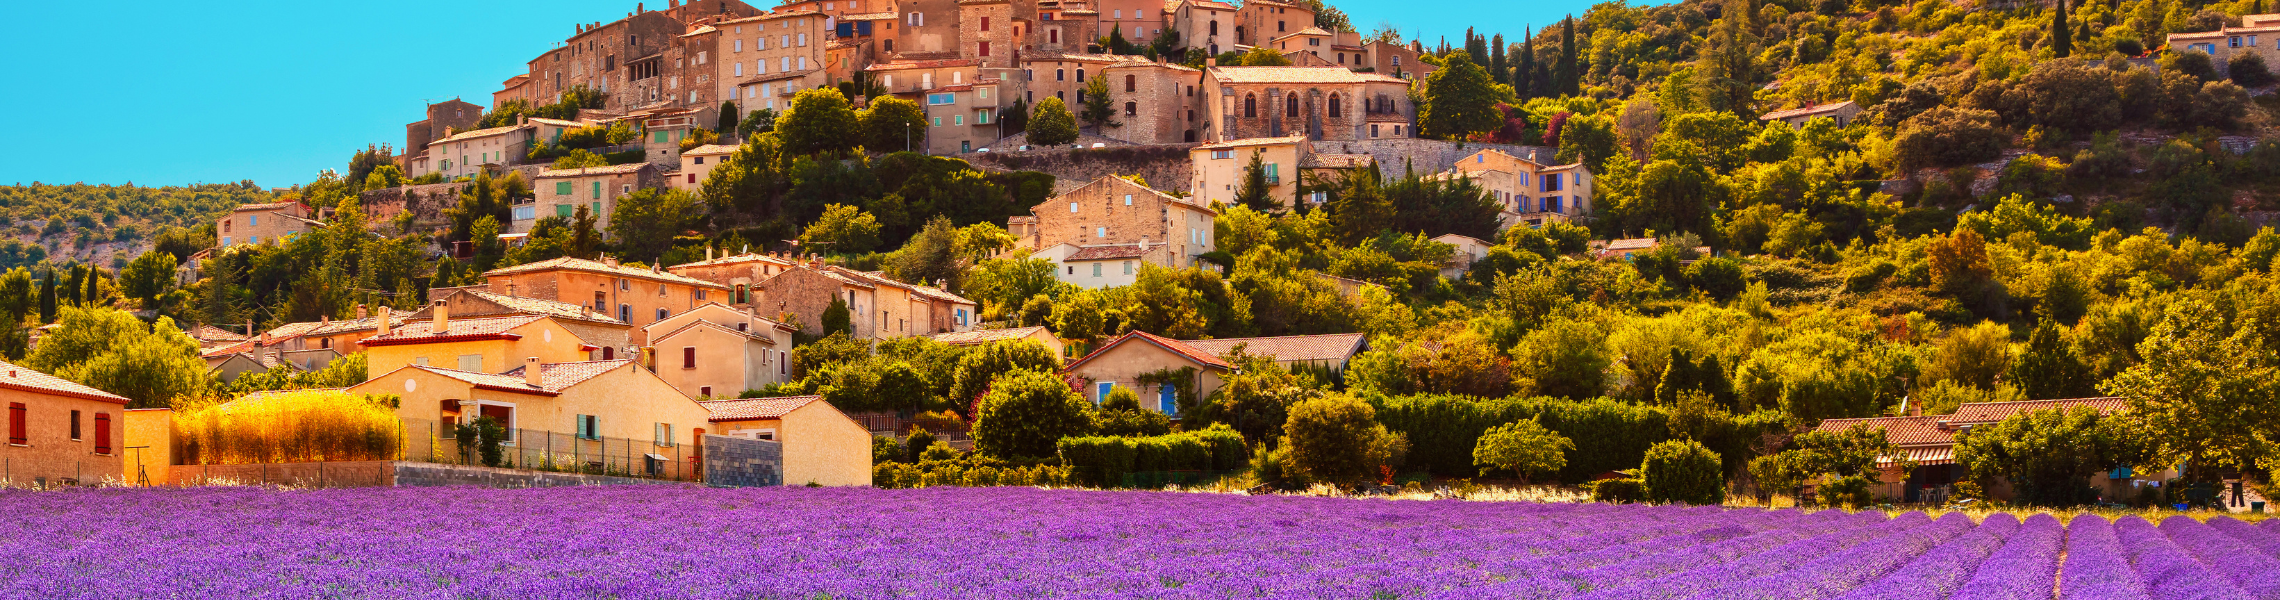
1836	253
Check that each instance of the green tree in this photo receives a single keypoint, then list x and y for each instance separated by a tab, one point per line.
580	158
1460	100
820	120
48	299
1587	140
843	229
1262	56
836	319
1099	107
727	117
647	220
1683	471
2049	368
978	368
2248	70
146	280
1568	75
1946	136
892	124
2060	34
1050	124
112	351
2049	455
1336	438
1725	69
2201	394
19	299
1255	193
1026	413
1522	447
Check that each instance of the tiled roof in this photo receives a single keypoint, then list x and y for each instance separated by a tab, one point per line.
536	306
1248	142
740	409
1901	431
468	135
754	335
1809	110
556	122
1322	160
1309	31
265	206
1333	347
1109	252
351	325
778	76
901	65
1210	4
1630	244
936	293
489	381
26	379
1990	412
734	259
289	331
1456	238
709	150
984	336
882	16
1298	75
229	349
582	172
577	264
561	376
470	328
1177	347
211	333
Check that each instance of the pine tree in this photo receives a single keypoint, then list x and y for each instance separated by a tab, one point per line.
94	294
2061	36
1565	78
1256	193
47	297
1496	67
1524	78
2048	367
78	280
1476	47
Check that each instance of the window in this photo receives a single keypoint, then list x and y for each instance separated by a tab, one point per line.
2232	42
664	435
471	363
562	188
1250	106
1274	175
704	391
1127	199
597	190
1100	232
1103	390
982	117
736	46
526	212
688	357
625	313
985	26
1072	207
588	427
783	363
1080	75
75	426
1222	154
1131	83
420	360
1128	267
102	433
985	46
663	313
943	98
601	302
1060	74
957	119
1373	130
1334	113
1131	109
1290	106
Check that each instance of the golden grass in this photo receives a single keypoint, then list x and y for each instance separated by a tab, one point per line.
282	427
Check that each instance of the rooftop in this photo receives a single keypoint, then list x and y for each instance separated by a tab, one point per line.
582	172
470	328
1110	252
1819	109
468	135
25	379
924	64
264	206
534	306
1250	142
1175	346
579	264
1298	75
740	409
561	376
710	150
984	336
1331	347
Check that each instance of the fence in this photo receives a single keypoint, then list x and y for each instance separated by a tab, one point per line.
547	450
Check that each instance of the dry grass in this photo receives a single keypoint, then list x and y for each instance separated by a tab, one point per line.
282	427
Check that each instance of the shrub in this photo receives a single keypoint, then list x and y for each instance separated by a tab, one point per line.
1103	461
304	426
1336	439
1026	412
2248	70
1683	471
1847	491
1616	491
1523	447
1947	136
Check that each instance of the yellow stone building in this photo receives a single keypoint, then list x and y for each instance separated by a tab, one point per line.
821	445
476	345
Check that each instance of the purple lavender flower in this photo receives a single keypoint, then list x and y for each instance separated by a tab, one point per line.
2254	571
2169	572
2096	567
2025	567
1944	569
2264	540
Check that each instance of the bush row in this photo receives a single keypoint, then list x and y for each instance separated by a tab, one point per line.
892	475
1609	435
1103	461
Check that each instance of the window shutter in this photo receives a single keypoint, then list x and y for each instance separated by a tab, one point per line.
16	424
103	433
689	357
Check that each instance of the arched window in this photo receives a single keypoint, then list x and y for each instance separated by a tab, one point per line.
1080	74
1290	106
1334	107
1250	106
1131	109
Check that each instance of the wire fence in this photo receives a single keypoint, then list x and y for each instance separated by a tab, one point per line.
548	450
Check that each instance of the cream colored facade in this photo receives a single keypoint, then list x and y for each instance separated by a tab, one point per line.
1116	211
475	344
1530	192
1120	363
764	60
960	118
821	445
1219	167
275	222
468	153
632	295
58	432
697	164
1205	24
717	351
561	191
624	400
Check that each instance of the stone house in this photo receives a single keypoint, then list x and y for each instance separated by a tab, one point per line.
907	309
587	400
2256	34
550	130
1260	21
1128	359
633	296
1530	192
465	154
1103	265
561	191
1398	60
59	432
697	164
987	32
737	272
1155	102
771	56
822	446
716	351
474	344
1321	103
449	115
1206	24
1064	75
662	132
910	79
1139	20
1037	335
1311	41
960	118
255	223
610	336
1113	211
1842	112
629	59
1063	27
1219	168
801	293
929	29
1328	351
1468	249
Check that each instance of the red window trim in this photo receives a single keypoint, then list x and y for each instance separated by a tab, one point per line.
688	357
103	433
16	433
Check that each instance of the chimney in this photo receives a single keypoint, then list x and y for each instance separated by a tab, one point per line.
447	130
324	319
442	318
522	119
384	326
609	260
361	313
637	8
708	252
265	338
532	374
1210	62
510	289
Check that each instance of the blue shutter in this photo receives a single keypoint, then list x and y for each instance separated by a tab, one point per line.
1101	394
1167	399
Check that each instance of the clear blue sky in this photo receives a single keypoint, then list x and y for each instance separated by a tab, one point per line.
163	93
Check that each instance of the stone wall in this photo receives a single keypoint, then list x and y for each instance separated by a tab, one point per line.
1165	166
739	462
413	474
1427	156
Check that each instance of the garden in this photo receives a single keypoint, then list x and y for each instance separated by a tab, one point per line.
1019	542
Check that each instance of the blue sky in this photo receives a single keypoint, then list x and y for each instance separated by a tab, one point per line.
276	91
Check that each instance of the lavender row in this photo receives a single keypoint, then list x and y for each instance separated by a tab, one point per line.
1540	577
1714	577
1837	573
2255	572
1942	570
2264	540
1662	566
2096	566
2025	567
2169	572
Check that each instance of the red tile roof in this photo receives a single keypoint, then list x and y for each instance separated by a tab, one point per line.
561	376
489	381
209	333
1940	430
1110	252
577	264
1175	346
1990	412
25	379
528	306
984	336
1901	431
470	328
1332	347
740	409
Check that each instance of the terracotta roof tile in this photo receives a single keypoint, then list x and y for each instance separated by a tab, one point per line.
1332	347
1990	412
209	333
532	306
468	135
1901	431
421	331
264	206
561	376
1110	252
582	172
984	336
740	409
1177	347
24	378
1247	142
924	64
1298	75
576	264
710	150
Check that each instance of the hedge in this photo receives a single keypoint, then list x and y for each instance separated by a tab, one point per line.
1104	461
1609	435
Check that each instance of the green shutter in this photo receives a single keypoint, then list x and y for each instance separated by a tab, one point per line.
597	190
562	210
661	137
597	212
562	188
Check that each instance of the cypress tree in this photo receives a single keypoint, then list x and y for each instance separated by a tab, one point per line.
1524	78
1476	47
1566	79
47	297
2061	36
78	279
94	292
1496	67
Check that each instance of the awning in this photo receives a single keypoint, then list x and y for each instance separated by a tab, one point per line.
1927	455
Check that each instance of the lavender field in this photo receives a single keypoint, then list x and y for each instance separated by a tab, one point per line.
644	542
